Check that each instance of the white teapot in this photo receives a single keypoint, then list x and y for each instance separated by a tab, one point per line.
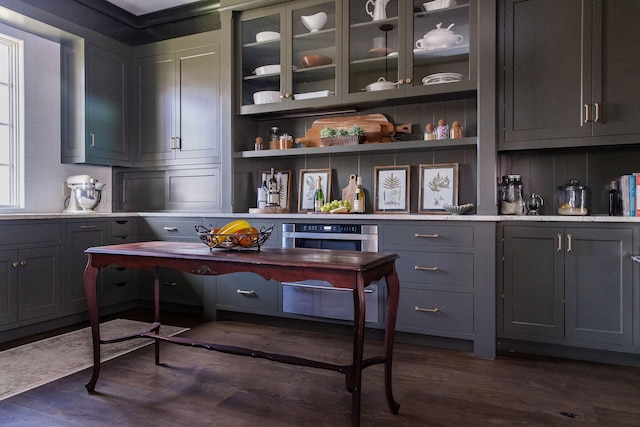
439	38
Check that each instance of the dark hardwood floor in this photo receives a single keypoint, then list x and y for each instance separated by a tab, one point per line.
435	387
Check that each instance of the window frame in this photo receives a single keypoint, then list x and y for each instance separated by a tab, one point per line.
16	193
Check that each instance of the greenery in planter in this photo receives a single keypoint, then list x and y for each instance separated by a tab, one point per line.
356	131
327	132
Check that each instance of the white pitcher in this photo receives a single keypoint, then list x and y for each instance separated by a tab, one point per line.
379	9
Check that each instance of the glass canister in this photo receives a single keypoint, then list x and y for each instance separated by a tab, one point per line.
572	198
512	196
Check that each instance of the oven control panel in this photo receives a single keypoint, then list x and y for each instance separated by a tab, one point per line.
329	228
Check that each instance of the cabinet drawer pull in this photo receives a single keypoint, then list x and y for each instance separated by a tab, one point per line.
569	248
178	143
559	242
86	227
597	113
246	293
427	236
172	143
170	284
93	140
427	310
170	228
417	267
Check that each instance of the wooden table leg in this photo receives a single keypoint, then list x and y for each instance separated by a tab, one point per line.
156	308
90	274
358	350
393	295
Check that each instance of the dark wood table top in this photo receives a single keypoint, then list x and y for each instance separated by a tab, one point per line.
290	257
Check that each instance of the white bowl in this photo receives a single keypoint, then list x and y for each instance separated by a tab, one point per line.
267	69
458	209
314	22
438	4
265	36
266	97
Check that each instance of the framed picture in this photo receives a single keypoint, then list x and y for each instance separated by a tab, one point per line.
284	183
438	187
307	189
391	189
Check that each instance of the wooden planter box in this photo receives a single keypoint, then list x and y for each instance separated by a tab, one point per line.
343	140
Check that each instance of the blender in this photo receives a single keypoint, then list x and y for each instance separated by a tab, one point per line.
86	193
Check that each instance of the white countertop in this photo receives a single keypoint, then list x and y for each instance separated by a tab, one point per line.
314	216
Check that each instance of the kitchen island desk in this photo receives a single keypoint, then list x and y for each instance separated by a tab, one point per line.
344	269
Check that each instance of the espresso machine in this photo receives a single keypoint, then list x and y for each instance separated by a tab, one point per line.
86	193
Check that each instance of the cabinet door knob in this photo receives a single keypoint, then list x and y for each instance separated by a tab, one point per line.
407	80
15	264
23	263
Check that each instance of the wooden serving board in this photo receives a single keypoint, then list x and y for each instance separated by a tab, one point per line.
348	192
376	126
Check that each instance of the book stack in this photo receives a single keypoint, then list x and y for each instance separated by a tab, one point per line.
628	185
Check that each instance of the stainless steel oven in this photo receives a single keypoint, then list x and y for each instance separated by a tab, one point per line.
319	298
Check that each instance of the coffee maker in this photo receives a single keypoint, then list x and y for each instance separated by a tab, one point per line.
86	193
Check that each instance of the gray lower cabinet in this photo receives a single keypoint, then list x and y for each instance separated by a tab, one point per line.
79	236
444	280
245	292
176	287
31	273
567	285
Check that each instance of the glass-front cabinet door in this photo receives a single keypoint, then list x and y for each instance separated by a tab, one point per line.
289	56
399	48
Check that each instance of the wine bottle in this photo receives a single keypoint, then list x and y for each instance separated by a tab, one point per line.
318	197
358	197
274	193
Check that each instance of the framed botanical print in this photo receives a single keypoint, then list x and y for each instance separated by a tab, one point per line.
391	189
438	187
307	188
283	177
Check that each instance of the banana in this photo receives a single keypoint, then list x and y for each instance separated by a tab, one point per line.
232	227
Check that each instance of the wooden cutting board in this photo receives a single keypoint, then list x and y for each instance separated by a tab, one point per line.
348	192
376	126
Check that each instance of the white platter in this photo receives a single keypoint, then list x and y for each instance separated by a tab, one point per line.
310	95
458	49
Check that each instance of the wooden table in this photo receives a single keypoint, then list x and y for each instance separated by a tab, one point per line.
344	269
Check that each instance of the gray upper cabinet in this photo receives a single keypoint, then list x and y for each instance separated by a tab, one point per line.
97	82
386	49
568	285
273	42
567	73
177	102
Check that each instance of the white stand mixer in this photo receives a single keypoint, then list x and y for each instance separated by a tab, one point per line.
85	193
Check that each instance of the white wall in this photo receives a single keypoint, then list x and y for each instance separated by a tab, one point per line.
44	174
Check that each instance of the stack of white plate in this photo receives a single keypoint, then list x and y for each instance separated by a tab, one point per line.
437	78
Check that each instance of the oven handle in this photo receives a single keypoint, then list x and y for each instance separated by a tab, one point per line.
326	288
327	236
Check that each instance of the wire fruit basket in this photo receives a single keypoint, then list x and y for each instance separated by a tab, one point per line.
237	241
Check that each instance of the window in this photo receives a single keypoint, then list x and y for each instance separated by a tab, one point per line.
11	128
